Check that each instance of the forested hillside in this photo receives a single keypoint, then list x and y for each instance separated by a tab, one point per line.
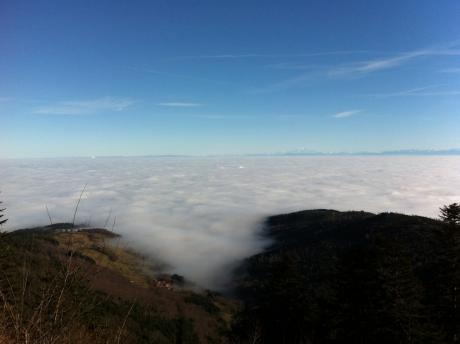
355	277
327	277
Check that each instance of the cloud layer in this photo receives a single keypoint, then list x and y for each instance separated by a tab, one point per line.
180	104
345	114
86	107
201	215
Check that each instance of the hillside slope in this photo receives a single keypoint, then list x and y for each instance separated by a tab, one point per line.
335	277
60	284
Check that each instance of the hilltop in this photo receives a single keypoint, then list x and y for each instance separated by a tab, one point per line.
351	277
62	284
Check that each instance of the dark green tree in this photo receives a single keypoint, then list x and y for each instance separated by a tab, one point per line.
451	214
400	293
381	298
449	280
293	302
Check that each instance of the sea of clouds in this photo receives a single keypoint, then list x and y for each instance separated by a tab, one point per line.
202	215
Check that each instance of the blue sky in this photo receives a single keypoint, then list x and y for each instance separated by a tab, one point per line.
81	78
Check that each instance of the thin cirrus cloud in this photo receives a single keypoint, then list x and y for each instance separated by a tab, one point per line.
451	70
284	84
180	76
358	69
180	104
86	107
370	66
420	91
345	114
351	70
252	55
375	65
365	66
223	117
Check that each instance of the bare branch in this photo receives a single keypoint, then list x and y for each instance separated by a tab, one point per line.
78	203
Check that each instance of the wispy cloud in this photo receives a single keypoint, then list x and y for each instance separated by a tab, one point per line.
180	104
86	107
366	67
222	117
296	66
252	55
451	70
440	93
345	114
360	67
375	65
181	76
283	84
420	91
356	69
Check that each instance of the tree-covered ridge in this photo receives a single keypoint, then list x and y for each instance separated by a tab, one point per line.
336	277
327	277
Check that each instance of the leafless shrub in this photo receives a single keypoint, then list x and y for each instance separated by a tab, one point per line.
56	316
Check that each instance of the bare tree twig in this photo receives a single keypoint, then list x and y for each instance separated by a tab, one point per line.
48	212
124	323
78	203
108	218
113	224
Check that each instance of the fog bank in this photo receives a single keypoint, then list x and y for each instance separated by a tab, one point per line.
202	214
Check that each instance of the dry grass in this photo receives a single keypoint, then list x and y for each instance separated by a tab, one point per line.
4	338
49	313
76	266
104	249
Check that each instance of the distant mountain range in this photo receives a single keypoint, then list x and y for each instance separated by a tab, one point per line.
295	152
301	152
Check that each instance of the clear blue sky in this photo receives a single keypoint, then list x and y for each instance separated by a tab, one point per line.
81	78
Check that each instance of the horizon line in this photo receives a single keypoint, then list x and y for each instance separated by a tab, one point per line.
401	152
